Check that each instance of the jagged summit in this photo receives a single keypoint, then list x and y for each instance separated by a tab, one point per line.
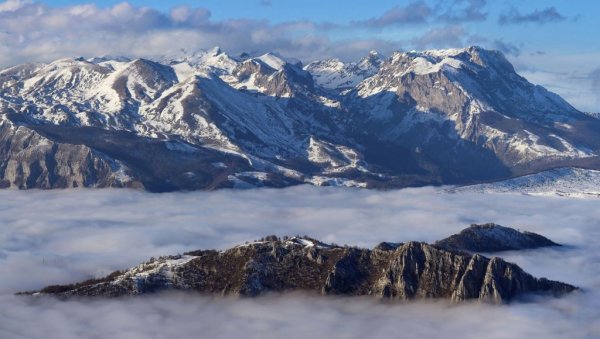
455	116
335	74
214	51
411	270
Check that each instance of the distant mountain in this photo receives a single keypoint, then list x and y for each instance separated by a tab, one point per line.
337	75
208	120
404	271
493	238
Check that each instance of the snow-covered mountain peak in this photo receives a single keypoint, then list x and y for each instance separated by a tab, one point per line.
474	57
335	74
373	57
370	64
277	62
215	51
422	63
188	62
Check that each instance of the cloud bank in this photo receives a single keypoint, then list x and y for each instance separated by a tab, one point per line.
49	237
33	31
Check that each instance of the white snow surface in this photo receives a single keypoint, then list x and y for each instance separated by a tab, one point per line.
276	61
162	268
335	74
571	182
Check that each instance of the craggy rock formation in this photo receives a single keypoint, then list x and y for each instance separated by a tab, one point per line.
493	238
398	271
30	160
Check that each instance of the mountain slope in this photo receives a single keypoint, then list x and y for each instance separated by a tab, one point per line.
435	117
30	160
571	182
469	108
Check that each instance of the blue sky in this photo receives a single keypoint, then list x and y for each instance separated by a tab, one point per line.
551	42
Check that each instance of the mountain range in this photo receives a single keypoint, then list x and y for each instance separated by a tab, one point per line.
209	120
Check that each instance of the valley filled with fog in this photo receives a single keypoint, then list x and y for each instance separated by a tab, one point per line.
59	237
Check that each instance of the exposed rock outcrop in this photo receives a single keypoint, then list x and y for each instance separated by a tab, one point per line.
30	160
406	271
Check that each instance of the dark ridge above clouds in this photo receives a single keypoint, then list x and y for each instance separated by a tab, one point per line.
493	238
411	270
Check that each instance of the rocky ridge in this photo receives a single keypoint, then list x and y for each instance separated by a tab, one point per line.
400	271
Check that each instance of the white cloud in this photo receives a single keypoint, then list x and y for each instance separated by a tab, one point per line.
38	32
444	37
49	237
13	5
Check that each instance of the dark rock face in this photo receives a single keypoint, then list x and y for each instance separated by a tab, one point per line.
30	160
408	271
493	238
63	157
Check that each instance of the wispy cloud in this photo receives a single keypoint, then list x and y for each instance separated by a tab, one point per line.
595	76
507	48
442	37
415	12
34	31
419	12
37	32
13	5
460	11
543	16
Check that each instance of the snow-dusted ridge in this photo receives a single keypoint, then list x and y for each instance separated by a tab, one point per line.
406	271
335	74
414	118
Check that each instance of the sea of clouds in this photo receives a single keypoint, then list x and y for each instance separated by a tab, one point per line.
58	237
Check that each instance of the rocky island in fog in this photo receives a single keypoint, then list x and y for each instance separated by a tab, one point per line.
400	271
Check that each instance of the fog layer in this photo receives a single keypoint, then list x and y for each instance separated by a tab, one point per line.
51	237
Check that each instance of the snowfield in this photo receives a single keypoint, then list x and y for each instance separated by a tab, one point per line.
572	182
